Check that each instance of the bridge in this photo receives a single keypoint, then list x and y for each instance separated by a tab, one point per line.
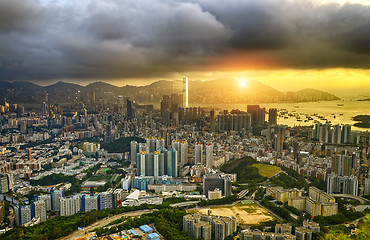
360	199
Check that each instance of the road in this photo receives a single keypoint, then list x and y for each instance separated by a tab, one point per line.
102	223
184	204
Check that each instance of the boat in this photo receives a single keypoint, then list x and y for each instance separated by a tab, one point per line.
340	105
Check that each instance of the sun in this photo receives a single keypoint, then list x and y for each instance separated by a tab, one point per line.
242	82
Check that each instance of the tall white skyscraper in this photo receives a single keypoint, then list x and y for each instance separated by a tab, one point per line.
198	153
134	151
184	153
209	155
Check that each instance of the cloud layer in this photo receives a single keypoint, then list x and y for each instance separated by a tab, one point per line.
47	39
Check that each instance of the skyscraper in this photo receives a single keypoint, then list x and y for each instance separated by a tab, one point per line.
184	153
22	214
186	91
150	144
134	150
38	209
70	205
198	153
55	199
272	115
279	140
172	162
209	155
212	127
130	110
346	134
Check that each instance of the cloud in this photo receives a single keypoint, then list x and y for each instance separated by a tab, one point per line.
47	39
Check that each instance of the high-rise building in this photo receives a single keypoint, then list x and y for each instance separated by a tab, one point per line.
130	110
159	164
346	134
184	159
337	134
55	199
212	121
342	184
213	181
209	155
172	162
159	143
46	198
234	122
29	154
344	164
296	151
38	209
198	153
89	203
150	144
4	186
22	214
134	150
70	205
151	164
279	140
105	200
258	114
272	115
44	108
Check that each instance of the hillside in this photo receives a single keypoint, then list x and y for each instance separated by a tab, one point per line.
243	168
222	90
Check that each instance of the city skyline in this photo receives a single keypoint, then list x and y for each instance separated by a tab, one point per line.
322	45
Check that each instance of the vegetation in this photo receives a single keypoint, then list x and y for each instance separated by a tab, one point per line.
54	179
362	231
280	211
266	170
244	169
62	226
121	145
221	201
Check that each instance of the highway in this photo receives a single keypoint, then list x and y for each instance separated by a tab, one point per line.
101	223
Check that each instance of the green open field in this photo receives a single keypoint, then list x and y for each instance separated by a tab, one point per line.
266	170
103	170
101	177
246	212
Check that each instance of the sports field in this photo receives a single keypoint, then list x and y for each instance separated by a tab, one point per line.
266	170
103	170
246	212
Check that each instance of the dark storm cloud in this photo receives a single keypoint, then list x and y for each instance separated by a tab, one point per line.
122	38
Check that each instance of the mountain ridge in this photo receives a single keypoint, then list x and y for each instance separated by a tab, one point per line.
220	90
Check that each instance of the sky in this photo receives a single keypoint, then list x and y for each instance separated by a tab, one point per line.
287	44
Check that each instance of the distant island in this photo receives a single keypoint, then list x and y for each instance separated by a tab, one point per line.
364	100
363	121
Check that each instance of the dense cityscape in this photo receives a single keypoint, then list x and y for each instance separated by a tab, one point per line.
184	120
270	181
